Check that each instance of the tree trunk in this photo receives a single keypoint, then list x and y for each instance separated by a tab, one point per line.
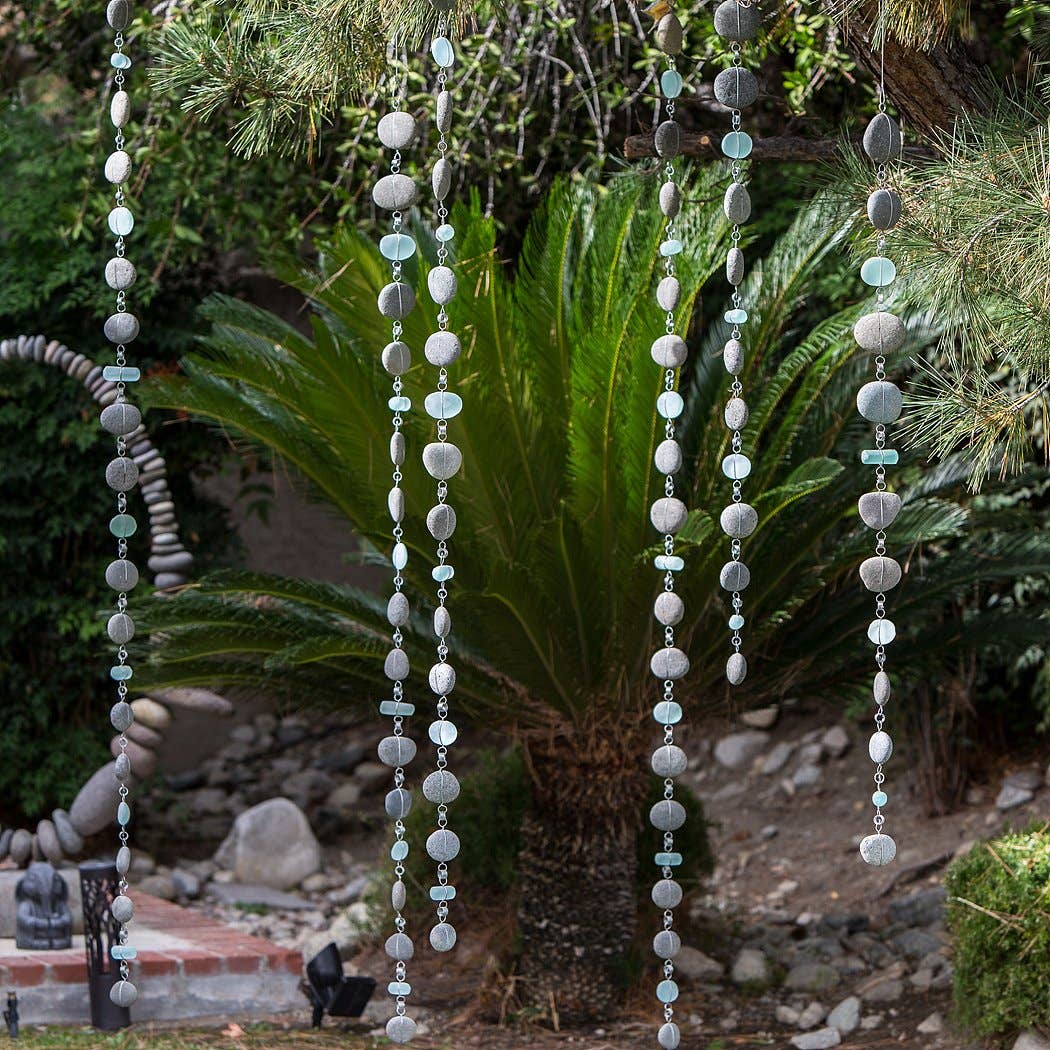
578	874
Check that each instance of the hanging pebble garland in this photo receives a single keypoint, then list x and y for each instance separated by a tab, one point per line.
395	193
736	21
442	460
880	333
120	418
668	515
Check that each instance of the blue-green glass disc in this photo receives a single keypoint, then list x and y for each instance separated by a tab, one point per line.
878	271
443	52
737	145
671	83
397	247
123	525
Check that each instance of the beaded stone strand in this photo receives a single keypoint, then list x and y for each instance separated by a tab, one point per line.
668	514
395	193
736	21
880	333
121	419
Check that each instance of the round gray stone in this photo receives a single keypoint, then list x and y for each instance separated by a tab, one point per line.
122	771
397	358
123	994
668	514
669	663
399	947
733	357
441	178
739	520
667	815
397	130
123	860
667	894
736	87
396	300
880	747
443	117
669	35
443	845
670	200
881	688
121	717
120	628
878	850
400	1029
884	209
442	349
122	909
442	622
880	333
21	848
668	608
879	510
668	139
118	14
398	895
164	581
669	351
441	787
442	460
736	668
121	327
733	21
398	803
882	139
669	760
395	192
667	944
397	448
880	574
68	838
47	839
118	167
120	273
396	751
122	575
442	284
737	413
668	457
396	666
441	521
737	203
120	109
177	562
442	679
120	419
669	1036
880	401
443	937
735	267
735	576
669	293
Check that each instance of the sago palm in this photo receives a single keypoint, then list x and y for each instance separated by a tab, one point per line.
553	552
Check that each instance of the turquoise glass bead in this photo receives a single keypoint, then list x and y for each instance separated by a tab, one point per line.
119	61
670	404
881	632
399	556
442	573
880	798
397	708
736	467
121	374
736	621
737	145
123	951
878	271
123	526
399	988
738	316
671	83
667	991
443	405
120	673
121	221
442	893
669	563
399	403
397	247
123	814
445	232
669	248
879	457
399	850
443	733
443	51
668	860
668	713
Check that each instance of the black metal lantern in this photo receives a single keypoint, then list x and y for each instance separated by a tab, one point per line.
330	991
99	884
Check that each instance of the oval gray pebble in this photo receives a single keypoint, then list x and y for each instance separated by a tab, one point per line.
669	760
884	209
398	895
733	357
667	815
881	688
442	679
120	273
399	947
395	504
443	845
880	747
880	401
118	14
397	448
395	192
880	574
736	668
120	419
441	179
733	21
397	610
122	575
443	118
878	850
668	139
120	628
735	266
121	717
397	130
668	457
670	199
882	139
739	520
401	1029
395	751
736	413
879	510
396	300
669	1036
667	944
118	167
442	622
737	203
123	861
879	333
441	521
669	663
123	994
668	608
442	349
668	514
669	34
122	768
120	109
441	787
736	87
68	836
397	358
121	327
443	937
442	284
669	293
667	894
442	460
122	909
396	667
669	351
735	576
398	803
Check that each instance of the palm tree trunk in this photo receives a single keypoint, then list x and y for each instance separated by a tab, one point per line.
578	875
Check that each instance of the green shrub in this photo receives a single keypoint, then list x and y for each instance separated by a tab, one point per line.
999	914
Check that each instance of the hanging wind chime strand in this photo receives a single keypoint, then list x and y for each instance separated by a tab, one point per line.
442	460
121	419
396	193
880	333
668	514
736	88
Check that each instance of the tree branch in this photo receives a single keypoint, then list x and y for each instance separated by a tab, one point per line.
708	146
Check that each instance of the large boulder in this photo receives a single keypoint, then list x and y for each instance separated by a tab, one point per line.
271	844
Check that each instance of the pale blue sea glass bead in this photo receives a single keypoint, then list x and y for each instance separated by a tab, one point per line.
667	991
443	733
671	83
667	860
879	457
121	374
121	221
120	673
736	622
396	988
669	248
442	893
881	632
445	232
443	51
399	556
123	814
399	850
668	712
670	404
736	467
397	247
880	798
119	61
123	526
397	708
442	404
442	573
878	271
737	145
399	403
738	316
669	563
121	952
